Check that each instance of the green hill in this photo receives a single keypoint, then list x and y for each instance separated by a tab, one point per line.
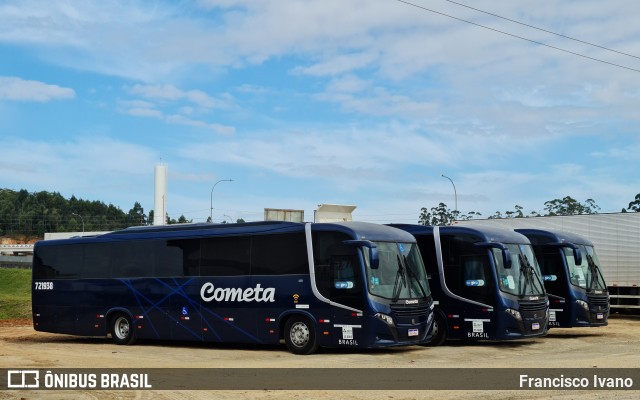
15	293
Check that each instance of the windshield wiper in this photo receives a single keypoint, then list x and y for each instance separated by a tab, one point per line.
594	271
523	272
529	273
400	276
415	277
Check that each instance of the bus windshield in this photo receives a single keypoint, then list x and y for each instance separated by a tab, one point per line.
400	273
586	275
523	278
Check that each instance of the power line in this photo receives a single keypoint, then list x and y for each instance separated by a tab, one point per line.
543	30
520	37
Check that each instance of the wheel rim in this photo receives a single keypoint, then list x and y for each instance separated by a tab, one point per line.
435	328
121	328
299	334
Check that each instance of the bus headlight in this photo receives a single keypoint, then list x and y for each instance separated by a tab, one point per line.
583	304
386	318
514	313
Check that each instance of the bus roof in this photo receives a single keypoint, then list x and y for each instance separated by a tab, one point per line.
370	231
358	230
545	236
484	233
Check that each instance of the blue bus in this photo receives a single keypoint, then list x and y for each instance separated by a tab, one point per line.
346	284
486	283
578	294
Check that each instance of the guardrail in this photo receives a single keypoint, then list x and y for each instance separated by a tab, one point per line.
16	249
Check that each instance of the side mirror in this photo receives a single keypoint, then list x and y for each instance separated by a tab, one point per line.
506	254
373	250
577	254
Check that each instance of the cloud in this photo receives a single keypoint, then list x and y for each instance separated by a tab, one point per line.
17	89
167	102
339	64
217	128
171	93
352	158
91	167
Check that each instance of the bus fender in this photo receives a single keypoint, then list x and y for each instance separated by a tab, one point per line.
282	319
439	318
113	310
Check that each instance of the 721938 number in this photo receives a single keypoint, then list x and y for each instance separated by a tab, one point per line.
43	285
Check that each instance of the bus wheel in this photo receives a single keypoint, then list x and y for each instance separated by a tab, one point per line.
122	331
300	335
438	331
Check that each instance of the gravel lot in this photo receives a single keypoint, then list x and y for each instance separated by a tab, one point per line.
614	346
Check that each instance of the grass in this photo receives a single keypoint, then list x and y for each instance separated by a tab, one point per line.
15	293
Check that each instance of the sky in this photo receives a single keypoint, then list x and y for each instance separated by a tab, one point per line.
300	103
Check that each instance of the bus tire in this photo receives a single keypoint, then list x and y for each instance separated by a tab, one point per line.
300	335
438	331
122	329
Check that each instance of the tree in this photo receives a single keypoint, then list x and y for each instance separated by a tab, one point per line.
634	205
515	214
442	215
511	214
33	214
570	206
183	220
137	215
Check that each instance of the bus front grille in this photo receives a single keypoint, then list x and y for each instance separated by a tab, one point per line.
533	306
599	300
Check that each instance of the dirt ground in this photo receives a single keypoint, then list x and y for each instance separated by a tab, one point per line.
614	346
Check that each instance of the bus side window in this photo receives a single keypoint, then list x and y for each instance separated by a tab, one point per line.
427	246
189	251
345	283
466	268
338	272
343	271
225	256
96	260
552	271
279	254
168	259
62	262
44	263
476	278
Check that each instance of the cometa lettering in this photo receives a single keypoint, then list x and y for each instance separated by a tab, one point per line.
258	294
